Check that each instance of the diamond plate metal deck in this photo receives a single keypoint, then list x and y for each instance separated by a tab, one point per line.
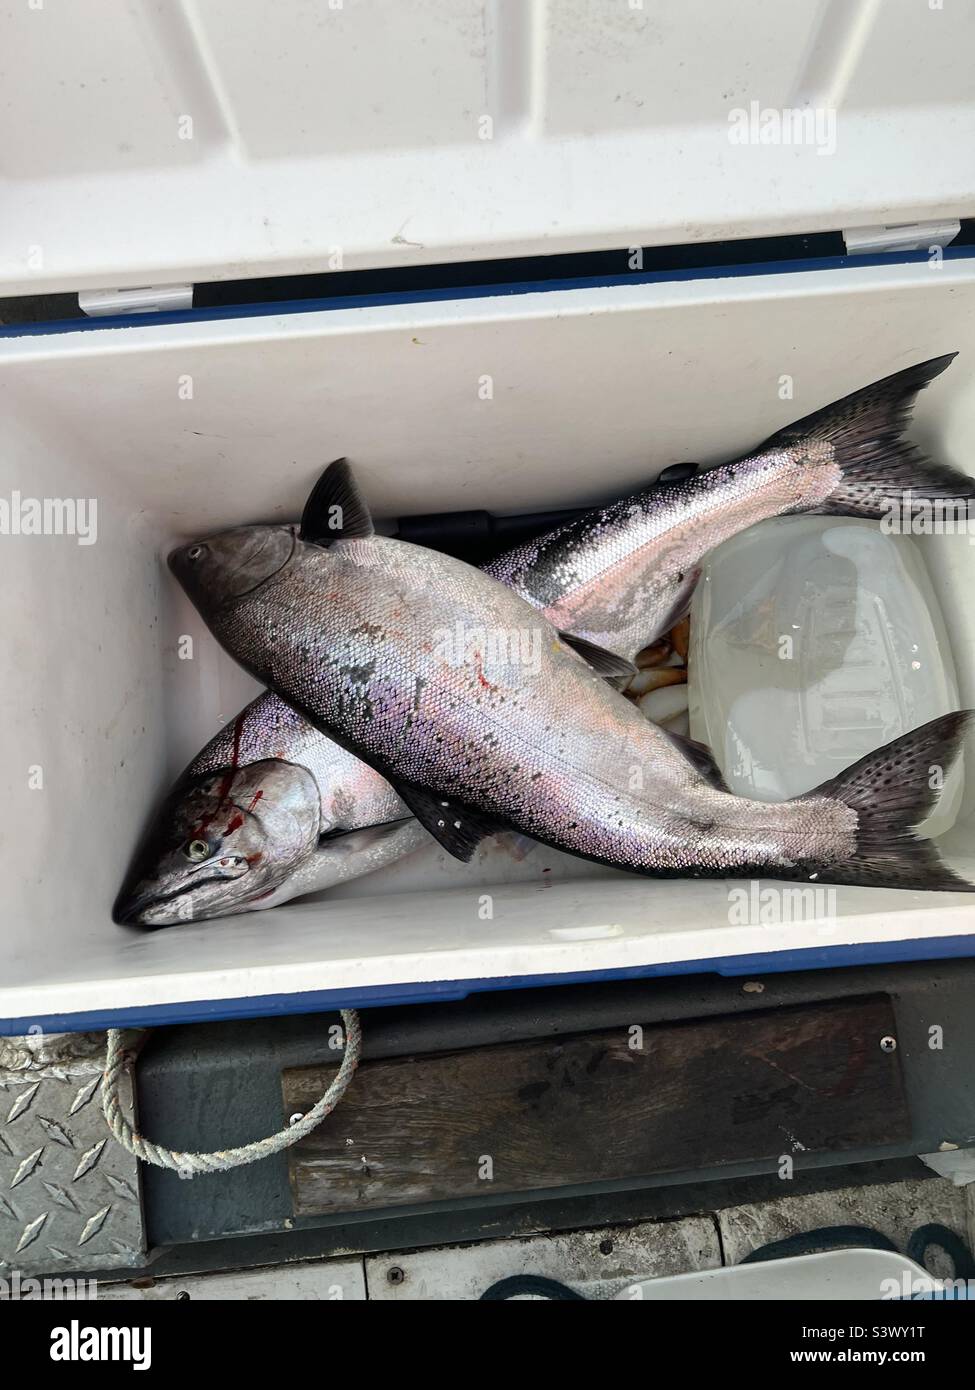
69	1195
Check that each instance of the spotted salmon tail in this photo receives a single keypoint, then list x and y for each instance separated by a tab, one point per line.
880	466
892	790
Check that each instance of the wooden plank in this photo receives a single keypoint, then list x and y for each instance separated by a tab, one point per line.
590	1108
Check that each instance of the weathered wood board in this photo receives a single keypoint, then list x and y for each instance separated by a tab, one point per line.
599	1106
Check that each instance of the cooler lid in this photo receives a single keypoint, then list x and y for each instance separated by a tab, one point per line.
147	143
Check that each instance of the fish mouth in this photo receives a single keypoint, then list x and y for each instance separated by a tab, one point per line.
128	914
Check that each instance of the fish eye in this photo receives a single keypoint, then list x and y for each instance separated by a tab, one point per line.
196	850
195	551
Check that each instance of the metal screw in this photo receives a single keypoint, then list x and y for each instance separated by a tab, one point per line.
293	1119
395	1275
888	1044
182	1296
605	1247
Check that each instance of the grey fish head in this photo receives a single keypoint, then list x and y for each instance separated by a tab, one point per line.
224	567
222	842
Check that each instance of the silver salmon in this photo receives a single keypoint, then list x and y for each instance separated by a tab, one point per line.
269	810
405	657
612	581
621	577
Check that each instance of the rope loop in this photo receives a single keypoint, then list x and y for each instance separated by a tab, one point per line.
191	1165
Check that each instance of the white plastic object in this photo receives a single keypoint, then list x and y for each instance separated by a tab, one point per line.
214	423
151	143
144	299
664	704
833	1275
815	640
915	236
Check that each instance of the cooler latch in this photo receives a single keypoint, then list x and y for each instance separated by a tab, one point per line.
146	299
912	236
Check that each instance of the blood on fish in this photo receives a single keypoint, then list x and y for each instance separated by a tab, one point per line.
256	798
228	778
234	823
238	731
479	672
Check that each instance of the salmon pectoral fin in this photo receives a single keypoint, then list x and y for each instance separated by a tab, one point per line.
460	828
604	663
702	758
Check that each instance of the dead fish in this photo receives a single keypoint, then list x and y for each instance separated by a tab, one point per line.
663	528
617	578
350	794
645	682
680	636
268	810
405	657
653	655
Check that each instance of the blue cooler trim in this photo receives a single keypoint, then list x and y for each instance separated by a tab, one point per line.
434	296
442	991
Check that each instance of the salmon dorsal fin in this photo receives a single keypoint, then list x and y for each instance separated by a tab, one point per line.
336	509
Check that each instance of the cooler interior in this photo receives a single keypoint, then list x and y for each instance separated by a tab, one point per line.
535	401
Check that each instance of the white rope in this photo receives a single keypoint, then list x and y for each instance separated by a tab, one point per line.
190	1165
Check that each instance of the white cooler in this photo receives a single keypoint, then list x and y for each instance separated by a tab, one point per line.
149	147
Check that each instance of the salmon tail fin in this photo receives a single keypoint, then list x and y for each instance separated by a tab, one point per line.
892	790
881	468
